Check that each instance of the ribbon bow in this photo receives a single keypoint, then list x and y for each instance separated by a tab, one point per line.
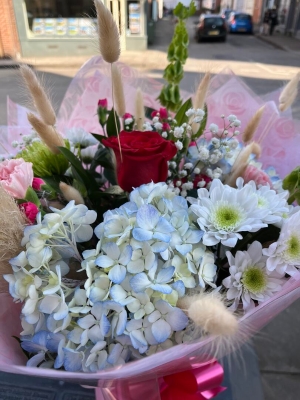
201	383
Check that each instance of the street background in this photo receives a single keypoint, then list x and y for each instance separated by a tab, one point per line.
265	64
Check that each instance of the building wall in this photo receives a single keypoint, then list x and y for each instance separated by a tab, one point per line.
9	40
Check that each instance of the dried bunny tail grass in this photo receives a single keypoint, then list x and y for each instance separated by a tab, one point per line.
47	133
253	125
118	91
109	38
209	313
39	96
11	233
139	109
70	193
201	91
289	93
241	162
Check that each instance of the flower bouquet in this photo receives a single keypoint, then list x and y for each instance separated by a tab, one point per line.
138	254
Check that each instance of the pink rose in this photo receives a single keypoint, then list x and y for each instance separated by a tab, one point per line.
16	176
37	183
102	103
30	210
285	128
255	174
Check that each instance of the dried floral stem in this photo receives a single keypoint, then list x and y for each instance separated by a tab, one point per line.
115	118
252	125
118	91
47	133
139	109
109	38
289	93
38	94
13	221
70	193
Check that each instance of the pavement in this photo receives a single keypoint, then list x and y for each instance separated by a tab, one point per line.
264	67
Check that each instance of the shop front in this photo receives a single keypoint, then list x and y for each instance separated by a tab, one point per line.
69	27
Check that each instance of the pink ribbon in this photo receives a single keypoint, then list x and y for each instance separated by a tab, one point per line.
201	383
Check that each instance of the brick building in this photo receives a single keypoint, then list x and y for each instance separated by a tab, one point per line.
9	39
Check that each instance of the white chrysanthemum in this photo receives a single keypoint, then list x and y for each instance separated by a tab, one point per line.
249	279
274	203
79	137
284	255
224	212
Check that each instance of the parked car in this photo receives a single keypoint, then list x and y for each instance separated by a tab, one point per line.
240	22
226	13
211	26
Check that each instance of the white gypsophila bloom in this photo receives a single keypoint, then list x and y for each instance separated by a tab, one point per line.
216	142
178	183
200	112
173	164
228	154
249	279
169	174
201	184
197	171
197	119
147	126
15	144
79	137
236	123
158	125
184	125
190	112
213	128
177	191
233	144
231	118
217	173
203	153
284	255
128	121
155	119
178	132
188	186
215	156
164	135
182	173
236	133
274	203
224	212
188	166
183	193
179	145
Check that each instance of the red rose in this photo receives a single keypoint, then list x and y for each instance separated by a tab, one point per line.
145	156
102	103
30	210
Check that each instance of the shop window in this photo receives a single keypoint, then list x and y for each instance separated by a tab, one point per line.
61	17
133	18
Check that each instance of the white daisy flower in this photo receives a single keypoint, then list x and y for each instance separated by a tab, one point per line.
284	255
224	212
79	137
249	280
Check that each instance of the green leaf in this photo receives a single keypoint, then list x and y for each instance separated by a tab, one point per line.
98	136
292	183
52	183
78	171
32	197
180	117
192	9
102	157
114	189
110	175
113	124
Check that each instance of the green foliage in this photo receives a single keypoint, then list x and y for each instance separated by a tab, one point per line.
202	124
292	183
113	124
181	117
44	162
177	56
32	197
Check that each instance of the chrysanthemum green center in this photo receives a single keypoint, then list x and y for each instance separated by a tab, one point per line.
226	217
254	280
293	248
262	202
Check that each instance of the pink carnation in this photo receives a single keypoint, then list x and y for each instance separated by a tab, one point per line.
30	210
166	126
102	103
127	115
16	176
37	183
255	174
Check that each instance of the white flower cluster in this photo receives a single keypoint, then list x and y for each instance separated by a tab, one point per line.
147	254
